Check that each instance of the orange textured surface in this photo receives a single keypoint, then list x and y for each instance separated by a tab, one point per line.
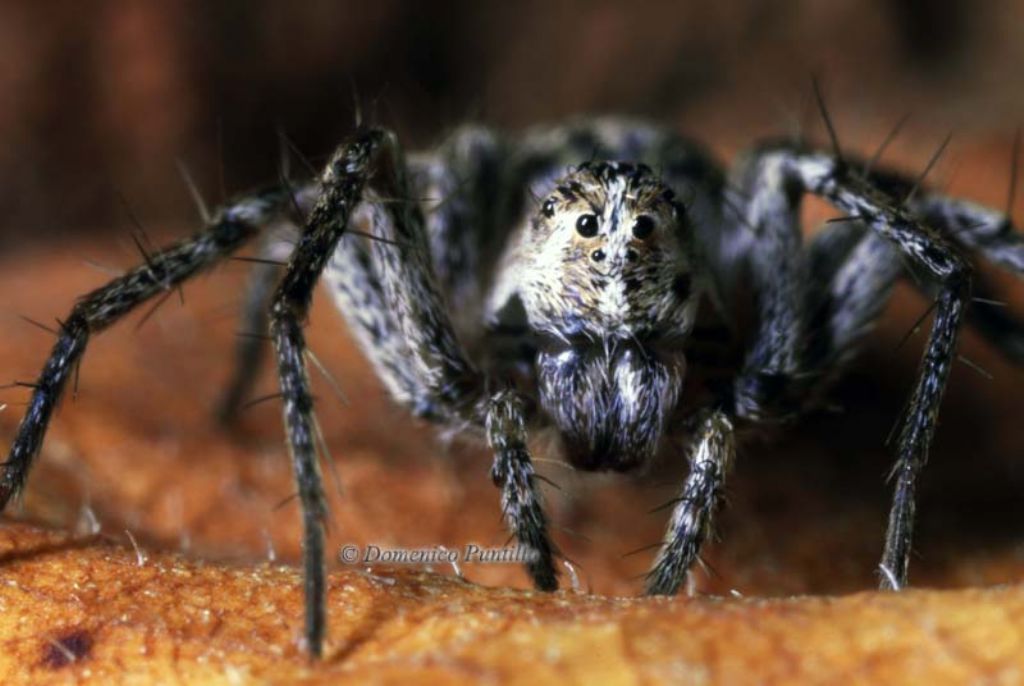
88	610
138	451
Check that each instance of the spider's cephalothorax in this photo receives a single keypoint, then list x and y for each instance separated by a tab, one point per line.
605	274
489	259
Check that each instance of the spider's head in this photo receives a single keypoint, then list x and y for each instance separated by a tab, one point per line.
608	255
607	280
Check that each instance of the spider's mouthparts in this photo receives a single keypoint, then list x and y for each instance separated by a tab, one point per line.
610	404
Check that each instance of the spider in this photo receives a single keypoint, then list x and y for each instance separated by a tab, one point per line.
553	278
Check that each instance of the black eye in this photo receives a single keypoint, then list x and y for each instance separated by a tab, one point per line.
548	208
597	255
586	225
643	226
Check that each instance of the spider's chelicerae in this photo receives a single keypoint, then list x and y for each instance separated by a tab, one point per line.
553	278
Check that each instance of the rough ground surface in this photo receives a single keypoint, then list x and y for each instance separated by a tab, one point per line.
137	452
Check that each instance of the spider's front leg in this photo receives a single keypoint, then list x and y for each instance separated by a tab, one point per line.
801	171
939	258
385	286
163	271
342	184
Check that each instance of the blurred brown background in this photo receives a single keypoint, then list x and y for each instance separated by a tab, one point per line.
103	97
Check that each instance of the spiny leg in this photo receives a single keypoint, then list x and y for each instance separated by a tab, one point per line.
414	316
342	183
936	257
104	306
690	525
853	272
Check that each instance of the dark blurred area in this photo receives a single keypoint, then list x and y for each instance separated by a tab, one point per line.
103	98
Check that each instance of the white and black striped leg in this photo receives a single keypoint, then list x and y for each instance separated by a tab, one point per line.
386	288
769	199
690	525
935	257
355	283
342	184
163	271
513	473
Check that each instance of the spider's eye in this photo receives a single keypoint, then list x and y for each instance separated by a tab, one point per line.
586	225
643	226
548	208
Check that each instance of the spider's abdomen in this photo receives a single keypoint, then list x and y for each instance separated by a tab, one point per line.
609	403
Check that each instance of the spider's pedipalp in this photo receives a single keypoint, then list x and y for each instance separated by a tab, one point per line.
690	524
513	473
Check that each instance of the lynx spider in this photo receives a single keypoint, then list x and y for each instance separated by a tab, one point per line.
574	270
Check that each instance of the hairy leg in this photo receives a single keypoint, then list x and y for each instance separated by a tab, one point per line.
690	525
342	183
95	311
933	256
853	271
384	282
